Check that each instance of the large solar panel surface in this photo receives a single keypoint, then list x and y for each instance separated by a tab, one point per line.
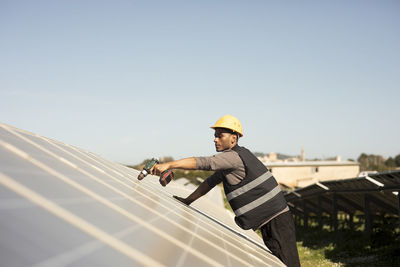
61	205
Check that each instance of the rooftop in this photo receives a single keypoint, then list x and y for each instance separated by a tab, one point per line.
310	163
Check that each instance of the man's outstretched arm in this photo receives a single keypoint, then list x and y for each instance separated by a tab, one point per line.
186	164
200	191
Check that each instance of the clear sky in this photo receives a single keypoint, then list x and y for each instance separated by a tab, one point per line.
129	80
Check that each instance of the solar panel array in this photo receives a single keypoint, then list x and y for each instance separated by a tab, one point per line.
371	195
61	205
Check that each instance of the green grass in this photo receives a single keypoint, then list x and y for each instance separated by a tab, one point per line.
348	247
314	257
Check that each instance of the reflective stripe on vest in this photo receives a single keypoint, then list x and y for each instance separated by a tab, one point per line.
259	201
249	186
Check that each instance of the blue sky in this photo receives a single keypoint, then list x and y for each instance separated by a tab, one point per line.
130	80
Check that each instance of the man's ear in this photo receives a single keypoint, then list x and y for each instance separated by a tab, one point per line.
234	139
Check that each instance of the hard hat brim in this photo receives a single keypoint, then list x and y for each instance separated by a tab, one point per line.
233	131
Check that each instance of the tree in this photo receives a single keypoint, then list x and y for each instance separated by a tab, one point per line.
390	163
397	160
372	163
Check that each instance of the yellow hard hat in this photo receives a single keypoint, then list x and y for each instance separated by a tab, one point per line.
229	122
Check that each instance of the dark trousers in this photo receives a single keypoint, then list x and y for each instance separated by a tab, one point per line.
280	237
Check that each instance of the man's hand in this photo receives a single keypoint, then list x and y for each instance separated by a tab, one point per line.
159	168
183	200
201	190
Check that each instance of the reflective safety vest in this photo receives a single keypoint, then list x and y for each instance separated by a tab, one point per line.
258	197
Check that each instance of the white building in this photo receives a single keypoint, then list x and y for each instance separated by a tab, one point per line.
303	173
297	172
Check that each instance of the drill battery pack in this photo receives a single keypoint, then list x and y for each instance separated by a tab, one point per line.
166	177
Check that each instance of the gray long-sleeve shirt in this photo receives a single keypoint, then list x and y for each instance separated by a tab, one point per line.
227	163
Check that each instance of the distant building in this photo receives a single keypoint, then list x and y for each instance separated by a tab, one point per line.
303	173
297	172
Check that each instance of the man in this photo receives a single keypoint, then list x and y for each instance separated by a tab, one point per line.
250	188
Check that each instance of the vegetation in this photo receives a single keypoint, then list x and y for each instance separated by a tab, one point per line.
314	257
349	245
378	163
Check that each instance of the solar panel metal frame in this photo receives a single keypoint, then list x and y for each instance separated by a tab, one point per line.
350	195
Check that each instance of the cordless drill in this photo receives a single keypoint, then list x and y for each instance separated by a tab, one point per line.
165	176
147	167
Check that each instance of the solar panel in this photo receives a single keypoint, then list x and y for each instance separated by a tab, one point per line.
353	194
61	205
